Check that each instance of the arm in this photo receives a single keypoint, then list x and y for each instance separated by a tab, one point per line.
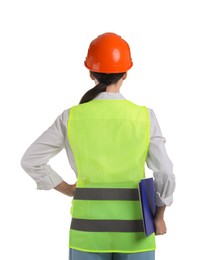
164	179
36	158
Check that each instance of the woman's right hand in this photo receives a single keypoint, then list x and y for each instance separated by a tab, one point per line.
160	225
67	189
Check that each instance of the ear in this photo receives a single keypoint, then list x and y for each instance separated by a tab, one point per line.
91	76
125	76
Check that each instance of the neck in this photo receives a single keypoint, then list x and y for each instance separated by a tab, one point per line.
113	89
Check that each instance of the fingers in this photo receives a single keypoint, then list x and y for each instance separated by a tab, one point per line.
160	233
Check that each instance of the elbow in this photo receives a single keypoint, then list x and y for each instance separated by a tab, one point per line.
24	164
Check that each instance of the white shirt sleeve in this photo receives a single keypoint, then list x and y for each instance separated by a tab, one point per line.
159	162
36	158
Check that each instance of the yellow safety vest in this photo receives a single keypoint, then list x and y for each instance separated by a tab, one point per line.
109	140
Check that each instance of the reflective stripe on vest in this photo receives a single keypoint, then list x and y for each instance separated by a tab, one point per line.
106	194
109	140
107	225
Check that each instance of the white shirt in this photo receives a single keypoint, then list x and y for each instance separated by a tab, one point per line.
54	139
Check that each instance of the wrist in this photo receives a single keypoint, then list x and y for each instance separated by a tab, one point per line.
160	212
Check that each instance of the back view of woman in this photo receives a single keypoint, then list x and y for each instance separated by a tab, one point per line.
108	141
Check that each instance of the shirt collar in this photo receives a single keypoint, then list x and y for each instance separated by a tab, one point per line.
109	95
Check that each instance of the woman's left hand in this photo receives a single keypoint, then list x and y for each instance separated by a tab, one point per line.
67	189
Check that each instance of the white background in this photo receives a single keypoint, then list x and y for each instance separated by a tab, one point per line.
176	55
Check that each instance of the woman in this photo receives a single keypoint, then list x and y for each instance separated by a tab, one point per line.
108	140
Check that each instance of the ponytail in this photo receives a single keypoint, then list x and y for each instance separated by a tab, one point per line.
104	81
93	92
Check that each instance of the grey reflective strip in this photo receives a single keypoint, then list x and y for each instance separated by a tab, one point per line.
106	194
107	225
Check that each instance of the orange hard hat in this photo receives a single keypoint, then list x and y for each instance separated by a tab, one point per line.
108	53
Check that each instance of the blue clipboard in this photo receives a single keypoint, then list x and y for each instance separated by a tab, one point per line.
148	207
